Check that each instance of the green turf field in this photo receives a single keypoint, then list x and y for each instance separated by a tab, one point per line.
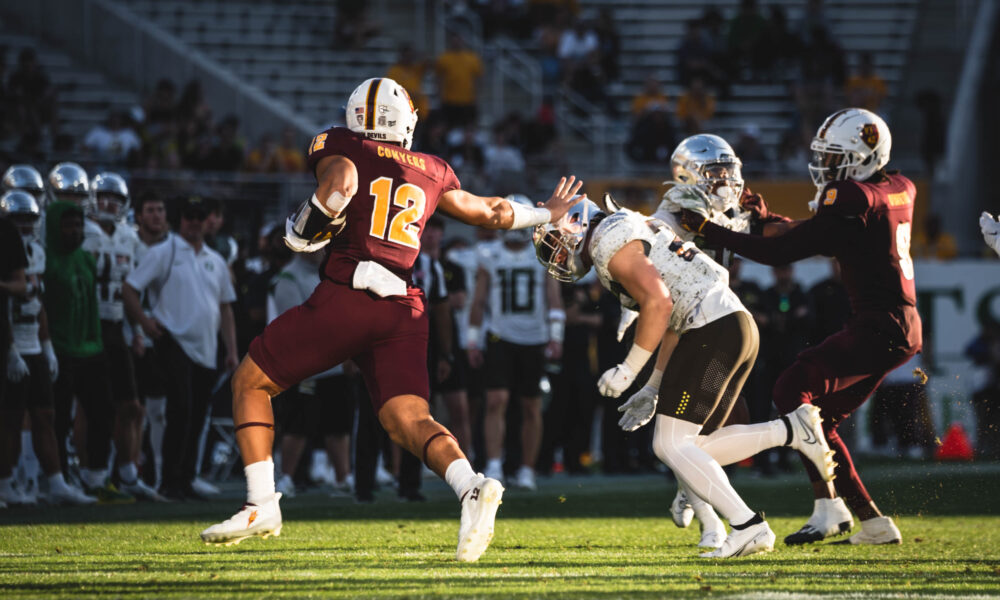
575	538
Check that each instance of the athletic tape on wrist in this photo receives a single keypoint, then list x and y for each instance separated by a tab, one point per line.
472	336
529	216
637	358
557	325
432	438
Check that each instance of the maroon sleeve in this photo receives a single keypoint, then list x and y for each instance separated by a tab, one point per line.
844	199
449	180
333	141
821	234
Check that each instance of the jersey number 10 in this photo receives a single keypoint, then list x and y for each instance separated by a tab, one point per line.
402	228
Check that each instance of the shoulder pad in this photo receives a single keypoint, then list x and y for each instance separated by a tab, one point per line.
333	141
843	198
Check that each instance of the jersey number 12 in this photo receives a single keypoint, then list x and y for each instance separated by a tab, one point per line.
402	228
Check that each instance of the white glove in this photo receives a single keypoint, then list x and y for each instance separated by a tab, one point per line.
686	196
991	231
300	244
616	380
17	369
50	356
628	317
639	409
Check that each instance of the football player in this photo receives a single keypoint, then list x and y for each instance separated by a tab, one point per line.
32	366
372	199
114	246
526	328
707	345
27	179
864	216
991	231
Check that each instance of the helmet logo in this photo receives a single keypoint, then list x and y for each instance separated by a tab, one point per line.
359	114
869	135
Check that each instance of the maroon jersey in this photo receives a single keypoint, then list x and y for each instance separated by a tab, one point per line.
398	191
865	226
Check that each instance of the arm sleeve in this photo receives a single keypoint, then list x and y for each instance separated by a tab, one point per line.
152	267
819	235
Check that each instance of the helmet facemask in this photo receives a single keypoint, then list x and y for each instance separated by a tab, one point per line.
722	182
832	163
560	246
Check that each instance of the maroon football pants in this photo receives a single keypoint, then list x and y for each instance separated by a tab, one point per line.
838	376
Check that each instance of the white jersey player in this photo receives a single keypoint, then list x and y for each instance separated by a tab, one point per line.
707	346
525	328
991	231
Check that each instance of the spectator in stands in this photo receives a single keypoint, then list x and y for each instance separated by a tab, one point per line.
933	242
191	296
113	142
696	57
780	45
746	40
192	105
651	97
408	71
74	324
458	71
751	151
352	27
609	44
227	152
576	45
161	107
653	137
933	130
548	59
264	158
503	162
465	153
793	151
814	20
290	156
33	94
821	72
544	13
588	80
865	89
7	105
694	107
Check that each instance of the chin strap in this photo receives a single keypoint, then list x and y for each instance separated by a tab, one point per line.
432	438
253	424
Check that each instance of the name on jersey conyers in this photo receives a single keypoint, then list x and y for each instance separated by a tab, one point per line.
402	157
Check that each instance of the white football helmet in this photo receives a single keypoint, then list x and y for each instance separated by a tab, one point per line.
22	209
709	163
518	236
380	109
852	143
560	245
111	198
25	178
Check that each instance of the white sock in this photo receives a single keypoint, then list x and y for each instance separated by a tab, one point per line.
674	442
460	475
57	482
260	481
128	472
733	443
93	478
703	511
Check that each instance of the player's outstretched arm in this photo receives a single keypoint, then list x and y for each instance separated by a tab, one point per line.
818	235
496	213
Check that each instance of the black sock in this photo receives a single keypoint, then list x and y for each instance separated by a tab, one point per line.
757	519
788	427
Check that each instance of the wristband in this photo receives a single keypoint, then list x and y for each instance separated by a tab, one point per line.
654	379
472	336
528	216
557	325
336	203
637	358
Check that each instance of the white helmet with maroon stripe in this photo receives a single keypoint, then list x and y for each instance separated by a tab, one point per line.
380	109
852	143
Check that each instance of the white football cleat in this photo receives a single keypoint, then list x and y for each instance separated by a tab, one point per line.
69	494
829	518
880	530
744	542
479	510
286	486
809	439
680	509
525	478
263	520
713	534
141	490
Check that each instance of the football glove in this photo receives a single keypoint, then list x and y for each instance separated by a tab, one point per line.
17	369
991	231
50	357
616	380
639	409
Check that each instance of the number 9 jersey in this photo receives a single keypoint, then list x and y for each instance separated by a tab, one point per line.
398	190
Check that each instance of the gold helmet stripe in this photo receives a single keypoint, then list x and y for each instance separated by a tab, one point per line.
370	104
